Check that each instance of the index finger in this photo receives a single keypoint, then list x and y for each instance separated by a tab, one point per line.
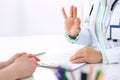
32	56
76	56
64	13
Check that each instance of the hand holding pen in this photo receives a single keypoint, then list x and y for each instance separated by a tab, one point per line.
17	55
21	65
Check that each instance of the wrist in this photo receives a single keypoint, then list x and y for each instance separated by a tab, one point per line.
14	71
73	37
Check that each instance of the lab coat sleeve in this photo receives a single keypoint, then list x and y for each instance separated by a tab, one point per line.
85	35
113	55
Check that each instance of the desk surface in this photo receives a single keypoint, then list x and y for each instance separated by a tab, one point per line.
35	44
111	72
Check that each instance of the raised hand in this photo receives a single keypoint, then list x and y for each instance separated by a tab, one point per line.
71	23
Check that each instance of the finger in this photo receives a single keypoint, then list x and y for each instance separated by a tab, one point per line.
76	56
19	54
16	56
78	60
34	60
64	13
74	12
32	56
71	11
37	59
75	32
78	21
22	53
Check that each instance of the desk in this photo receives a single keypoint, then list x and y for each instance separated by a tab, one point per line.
35	44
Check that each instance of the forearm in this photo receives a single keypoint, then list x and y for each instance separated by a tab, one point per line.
8	73
4	64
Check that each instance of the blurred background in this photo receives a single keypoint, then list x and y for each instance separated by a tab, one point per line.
36	17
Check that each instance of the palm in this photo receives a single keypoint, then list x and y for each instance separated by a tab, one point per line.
71	25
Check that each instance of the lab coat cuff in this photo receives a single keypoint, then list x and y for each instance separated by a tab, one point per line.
104	57
71	40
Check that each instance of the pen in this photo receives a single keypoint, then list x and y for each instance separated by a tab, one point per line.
98	75
59	73
83	76
90	73
47	65
40	54
72	75
64	74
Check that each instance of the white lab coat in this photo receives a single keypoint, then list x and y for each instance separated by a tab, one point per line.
88	36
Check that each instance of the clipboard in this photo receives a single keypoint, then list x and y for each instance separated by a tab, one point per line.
54	59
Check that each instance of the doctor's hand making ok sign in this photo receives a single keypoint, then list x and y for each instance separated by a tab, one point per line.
72	28
72	23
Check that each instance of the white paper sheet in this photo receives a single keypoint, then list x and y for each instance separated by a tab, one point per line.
60	58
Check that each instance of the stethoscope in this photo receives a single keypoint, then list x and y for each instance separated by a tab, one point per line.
111	9
113	4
